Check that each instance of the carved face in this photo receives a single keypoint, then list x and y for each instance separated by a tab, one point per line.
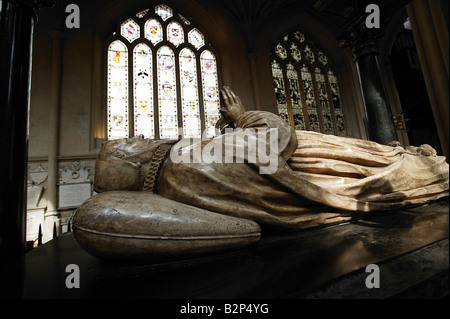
122	164
130	148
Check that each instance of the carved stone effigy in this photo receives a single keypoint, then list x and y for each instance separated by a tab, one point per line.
317	180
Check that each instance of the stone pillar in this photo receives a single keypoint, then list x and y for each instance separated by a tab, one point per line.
16	28
431	38
51	217
379	120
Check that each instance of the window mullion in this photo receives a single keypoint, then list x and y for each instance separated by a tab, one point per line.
155	93
130	91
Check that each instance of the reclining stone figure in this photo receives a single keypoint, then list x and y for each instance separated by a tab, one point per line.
151	203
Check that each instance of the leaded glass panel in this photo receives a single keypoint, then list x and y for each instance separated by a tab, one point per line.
281	51
313	101
299	36
189	94
164	12
153	31
280	91
186	21
143	91
295	52
117	90
196	38
130	30
311	107
175	33
149	105
324	103
294	88
167	94
142	13
340	120
210	91
309	54
322	58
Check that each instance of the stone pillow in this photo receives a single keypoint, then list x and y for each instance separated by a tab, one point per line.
140	225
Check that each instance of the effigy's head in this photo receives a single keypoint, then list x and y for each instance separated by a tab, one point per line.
119	163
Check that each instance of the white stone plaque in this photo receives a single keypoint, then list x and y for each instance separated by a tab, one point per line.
73	195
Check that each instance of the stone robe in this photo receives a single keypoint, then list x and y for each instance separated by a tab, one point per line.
320	179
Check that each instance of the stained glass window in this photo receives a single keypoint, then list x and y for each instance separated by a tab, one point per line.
294	88
196	38
117	90
310	99
210	91
174	86
280	92
323	101
336	102
175	33
142	13
167	94
153	31
306	87
189	94
143	91
130	30
186	21
164	12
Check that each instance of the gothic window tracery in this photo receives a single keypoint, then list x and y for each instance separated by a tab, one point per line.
162	78
306	86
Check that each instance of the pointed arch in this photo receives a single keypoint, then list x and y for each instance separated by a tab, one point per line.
173	76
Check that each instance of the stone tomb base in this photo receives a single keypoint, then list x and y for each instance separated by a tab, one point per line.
409	247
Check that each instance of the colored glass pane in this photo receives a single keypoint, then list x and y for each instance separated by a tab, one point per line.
322	58
153	31
130	30
324	103
281	51
154	92
299	36
143	91
309	54
186	21
196	38
210	86
313	87
189	94
175	33
338	112
167	94
280	92
117	90
142	13
164	11
334	90
294	88
295	52
311	107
